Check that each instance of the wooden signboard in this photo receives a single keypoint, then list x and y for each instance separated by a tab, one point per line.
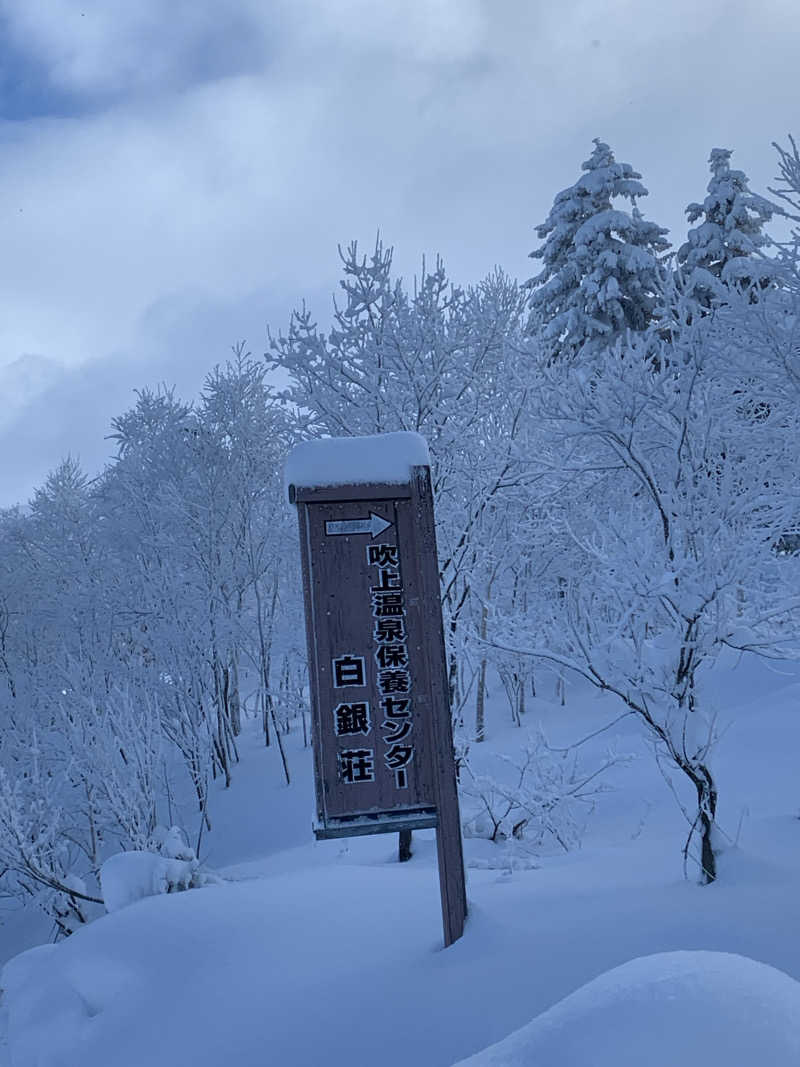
381	729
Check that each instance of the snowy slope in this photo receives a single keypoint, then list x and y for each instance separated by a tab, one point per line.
331	952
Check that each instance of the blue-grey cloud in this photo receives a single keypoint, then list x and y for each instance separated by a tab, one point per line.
198	162
51	410
76	57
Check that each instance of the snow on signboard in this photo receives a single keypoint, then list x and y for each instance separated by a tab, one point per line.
384	459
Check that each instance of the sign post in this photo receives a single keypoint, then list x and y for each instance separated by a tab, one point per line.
381	724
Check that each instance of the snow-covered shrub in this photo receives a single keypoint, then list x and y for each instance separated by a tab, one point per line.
130	876
38	858
543	796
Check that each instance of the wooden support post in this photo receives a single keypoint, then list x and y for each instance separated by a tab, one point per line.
404	846
452	885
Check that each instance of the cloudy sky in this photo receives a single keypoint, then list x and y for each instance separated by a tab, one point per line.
177	174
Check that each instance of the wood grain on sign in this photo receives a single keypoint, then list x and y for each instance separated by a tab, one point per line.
353	779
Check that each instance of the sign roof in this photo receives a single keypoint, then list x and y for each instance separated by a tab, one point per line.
386	458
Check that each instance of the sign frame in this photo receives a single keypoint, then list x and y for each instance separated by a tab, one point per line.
436	805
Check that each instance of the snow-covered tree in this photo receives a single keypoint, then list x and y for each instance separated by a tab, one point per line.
248	429
725	249
200	487
601	272
438	360
137	617
673	524
787	190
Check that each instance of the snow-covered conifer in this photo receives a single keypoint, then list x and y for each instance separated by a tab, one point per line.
600	264
723	250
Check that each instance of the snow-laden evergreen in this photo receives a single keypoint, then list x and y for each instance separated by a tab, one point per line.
601	273
724	250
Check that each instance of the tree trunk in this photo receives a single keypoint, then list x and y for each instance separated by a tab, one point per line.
480	694
235	697
706	813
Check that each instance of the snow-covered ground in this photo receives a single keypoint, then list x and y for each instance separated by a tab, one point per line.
330	953
662	1010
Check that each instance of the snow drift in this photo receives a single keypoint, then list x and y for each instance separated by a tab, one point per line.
715	1008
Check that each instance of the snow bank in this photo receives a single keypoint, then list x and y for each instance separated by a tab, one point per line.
353	939
230	975
338	931
386	457
670	1008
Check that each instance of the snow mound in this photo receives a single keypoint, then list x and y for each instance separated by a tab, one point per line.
130	876
54	1011
380	458
674	1007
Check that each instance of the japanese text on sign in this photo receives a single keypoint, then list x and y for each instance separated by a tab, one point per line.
392	676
